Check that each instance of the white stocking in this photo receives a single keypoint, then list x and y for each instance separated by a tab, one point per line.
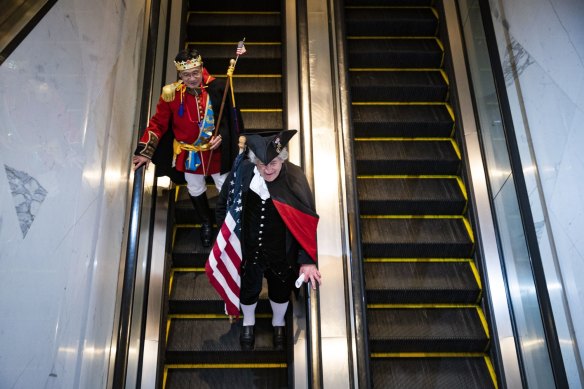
278	313
248	314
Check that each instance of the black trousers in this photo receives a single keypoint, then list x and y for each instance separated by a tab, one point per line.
279	285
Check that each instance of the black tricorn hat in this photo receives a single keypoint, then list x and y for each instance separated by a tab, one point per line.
266	148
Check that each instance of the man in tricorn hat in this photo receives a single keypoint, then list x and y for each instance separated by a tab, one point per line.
191	108
278	234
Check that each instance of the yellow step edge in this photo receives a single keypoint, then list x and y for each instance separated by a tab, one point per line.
207	43
392	103
187	225
484	356
479	310
445	77
181	270
424	306
232	13
435	12
483	321
387	6
491	371
188	269
376	37
428	355
220	366
462	187
456	148
460	217
250	76
401	176
475	271
469	230
397	139
261	110
411	260
209	316
396	70
227	366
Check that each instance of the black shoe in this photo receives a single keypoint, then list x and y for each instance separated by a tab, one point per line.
247	338
206	234
279	337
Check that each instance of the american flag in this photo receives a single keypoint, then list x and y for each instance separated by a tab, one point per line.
223	265
240	49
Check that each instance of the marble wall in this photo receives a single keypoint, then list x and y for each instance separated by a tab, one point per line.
68	97
541	44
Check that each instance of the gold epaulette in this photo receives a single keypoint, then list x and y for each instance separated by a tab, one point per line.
169	91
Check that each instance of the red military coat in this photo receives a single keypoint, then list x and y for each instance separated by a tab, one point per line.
185	128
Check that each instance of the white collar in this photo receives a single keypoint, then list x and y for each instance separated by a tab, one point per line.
258	185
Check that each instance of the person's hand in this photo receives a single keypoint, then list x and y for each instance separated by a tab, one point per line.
215	142
311	274
139	160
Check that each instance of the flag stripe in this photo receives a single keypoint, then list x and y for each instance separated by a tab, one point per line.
224	262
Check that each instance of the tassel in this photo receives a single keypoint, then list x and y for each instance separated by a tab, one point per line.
181	109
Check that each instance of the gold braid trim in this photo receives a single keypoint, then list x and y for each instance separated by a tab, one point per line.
149	146
169	91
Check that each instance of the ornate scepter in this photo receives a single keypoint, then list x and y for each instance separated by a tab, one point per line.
232	62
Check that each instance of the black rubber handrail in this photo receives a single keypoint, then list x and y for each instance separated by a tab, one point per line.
129	283
549	327
357	282
313	334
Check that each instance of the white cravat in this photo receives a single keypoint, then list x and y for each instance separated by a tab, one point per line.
258	185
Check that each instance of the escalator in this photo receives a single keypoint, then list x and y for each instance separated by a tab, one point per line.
426	325
202	345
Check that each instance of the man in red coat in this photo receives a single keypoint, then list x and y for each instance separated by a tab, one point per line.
191	108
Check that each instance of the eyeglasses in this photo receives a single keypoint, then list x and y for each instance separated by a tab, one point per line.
193	74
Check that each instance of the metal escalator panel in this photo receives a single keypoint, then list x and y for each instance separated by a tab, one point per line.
202	345
426	326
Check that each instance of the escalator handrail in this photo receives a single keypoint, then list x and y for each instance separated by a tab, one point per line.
361	354
545	305
133	240
312	304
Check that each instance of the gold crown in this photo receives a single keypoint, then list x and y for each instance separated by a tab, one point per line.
188	64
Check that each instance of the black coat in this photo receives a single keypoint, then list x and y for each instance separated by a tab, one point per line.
290	188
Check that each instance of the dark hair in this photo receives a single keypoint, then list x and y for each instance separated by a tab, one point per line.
186	54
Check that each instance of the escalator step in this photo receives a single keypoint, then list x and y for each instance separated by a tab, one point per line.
188	250
259	59
261	121
394	53
382	21
184	211
407	157
192	292
415	238
217	341
410	196
431	373
258	92
401	121
226	378
394	3
254	27
420	282
402	86
402	330
234	5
